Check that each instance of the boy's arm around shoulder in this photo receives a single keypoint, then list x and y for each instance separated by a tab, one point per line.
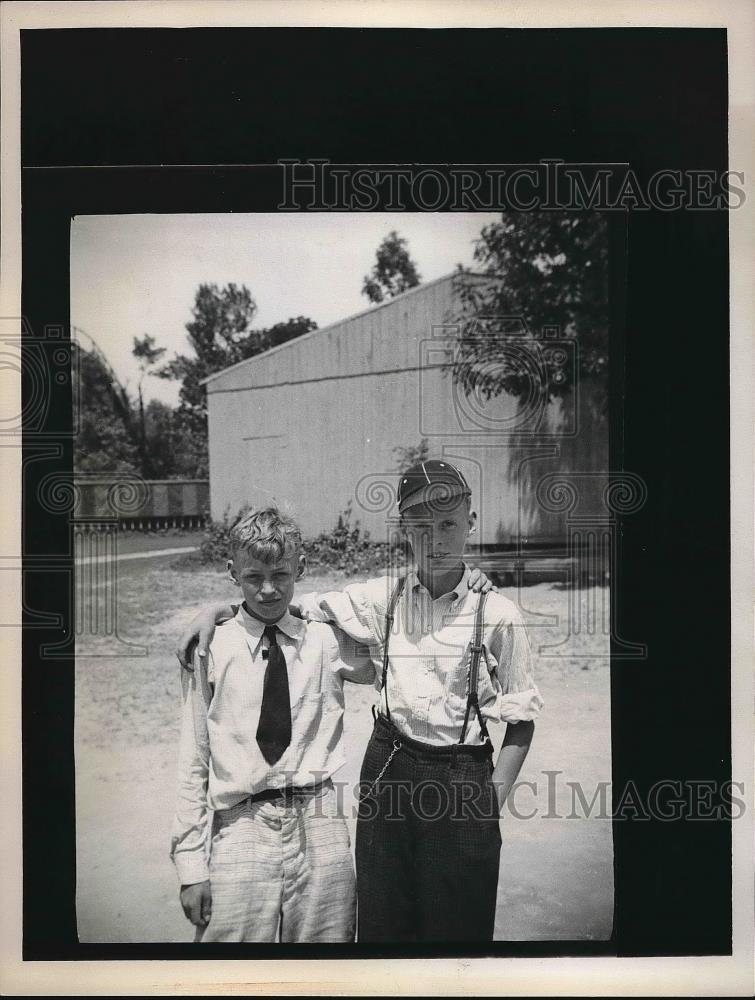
349	659
200	631
358	609
190	825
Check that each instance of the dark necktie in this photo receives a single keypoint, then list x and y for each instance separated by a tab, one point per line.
274	729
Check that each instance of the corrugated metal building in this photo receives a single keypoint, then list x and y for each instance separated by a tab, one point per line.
315	422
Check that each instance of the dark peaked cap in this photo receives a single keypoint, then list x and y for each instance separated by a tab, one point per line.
432	482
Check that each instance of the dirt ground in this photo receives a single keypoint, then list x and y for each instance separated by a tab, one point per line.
173	538
556	878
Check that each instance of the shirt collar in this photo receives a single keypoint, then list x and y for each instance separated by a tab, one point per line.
459	591
290	626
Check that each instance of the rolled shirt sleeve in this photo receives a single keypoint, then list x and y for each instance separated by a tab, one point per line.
352	609
511	653
189	835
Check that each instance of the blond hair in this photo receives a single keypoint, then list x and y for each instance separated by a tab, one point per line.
267	533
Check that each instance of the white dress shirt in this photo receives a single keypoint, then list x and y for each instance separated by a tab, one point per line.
429	655
220	762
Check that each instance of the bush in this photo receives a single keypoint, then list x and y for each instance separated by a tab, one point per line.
351	550
344	548
216	543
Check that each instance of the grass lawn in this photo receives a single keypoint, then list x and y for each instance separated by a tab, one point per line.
556	873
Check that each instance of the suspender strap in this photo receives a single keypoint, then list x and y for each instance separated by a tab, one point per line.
476	650
397	590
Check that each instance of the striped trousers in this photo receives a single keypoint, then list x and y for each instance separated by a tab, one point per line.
281	870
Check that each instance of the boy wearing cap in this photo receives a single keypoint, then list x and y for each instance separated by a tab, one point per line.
450	662
260	738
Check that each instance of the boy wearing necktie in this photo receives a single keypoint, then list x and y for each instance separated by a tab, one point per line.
260	739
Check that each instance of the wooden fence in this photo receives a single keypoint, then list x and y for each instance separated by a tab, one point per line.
142	504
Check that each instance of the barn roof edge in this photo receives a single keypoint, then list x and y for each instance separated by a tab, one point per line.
346	319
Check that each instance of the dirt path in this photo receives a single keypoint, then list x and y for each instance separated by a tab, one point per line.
556	873
158	553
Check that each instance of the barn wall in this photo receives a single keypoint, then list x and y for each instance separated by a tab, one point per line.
314	423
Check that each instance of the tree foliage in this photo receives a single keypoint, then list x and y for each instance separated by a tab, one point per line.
119	434
547	269
106	438
394	270
111	438
280	333
409	455
173	450
221	334
147	353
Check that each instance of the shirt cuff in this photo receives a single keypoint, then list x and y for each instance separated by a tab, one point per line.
522	706
191	867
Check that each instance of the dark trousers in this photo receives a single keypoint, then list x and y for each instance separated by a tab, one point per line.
428	842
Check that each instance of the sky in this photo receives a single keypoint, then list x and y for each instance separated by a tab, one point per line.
137	274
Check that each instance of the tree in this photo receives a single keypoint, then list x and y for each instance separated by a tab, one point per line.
109	436
394	270
147	354
106	433
547	269
283	332
409	455
174	452
221	334
161	434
